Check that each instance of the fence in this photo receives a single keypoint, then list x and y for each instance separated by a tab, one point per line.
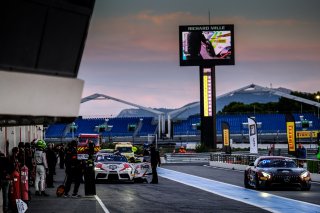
187	157
311	164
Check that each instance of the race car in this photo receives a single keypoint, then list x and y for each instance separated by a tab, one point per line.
115	167
269	171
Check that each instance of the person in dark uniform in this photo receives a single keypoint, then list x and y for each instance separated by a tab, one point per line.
61	156
6	169
52	161
74	170
155	161
301	154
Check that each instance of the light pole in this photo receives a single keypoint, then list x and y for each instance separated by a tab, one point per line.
73	127
318	97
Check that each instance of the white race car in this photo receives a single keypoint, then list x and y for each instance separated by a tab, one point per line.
115	167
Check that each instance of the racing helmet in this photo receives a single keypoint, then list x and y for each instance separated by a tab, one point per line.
41	144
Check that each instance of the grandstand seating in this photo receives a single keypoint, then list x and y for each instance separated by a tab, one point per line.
147	127
187	127
56	131
90	126
309	117
271	123
120	127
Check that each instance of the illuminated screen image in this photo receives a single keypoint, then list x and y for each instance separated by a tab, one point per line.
206	45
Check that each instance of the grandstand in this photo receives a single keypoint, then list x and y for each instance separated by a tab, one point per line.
184	122
272	129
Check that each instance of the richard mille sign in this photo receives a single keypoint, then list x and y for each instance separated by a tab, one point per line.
207	92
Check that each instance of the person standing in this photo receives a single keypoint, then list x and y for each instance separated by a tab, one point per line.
301	155
41	168
73	170
155	161
14	159
6	169
61	156
52	161
29	162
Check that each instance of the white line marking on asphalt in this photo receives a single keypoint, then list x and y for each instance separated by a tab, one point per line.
101	204
226	169
266	201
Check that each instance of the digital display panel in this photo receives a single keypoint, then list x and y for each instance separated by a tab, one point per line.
206	45
207	93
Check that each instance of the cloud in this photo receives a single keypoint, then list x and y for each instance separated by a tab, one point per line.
147	36
277	51
144	36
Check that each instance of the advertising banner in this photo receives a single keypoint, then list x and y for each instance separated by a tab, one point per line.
307	134
226	137
291	134
225	134
253	137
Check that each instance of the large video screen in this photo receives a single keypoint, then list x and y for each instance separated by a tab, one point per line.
206	45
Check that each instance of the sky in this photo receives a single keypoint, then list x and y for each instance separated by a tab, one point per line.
132	50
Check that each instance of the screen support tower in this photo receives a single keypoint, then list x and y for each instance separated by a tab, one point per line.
208	107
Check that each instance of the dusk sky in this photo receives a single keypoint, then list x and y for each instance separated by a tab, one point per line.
132	50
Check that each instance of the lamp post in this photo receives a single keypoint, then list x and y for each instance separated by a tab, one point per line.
318	97
73	127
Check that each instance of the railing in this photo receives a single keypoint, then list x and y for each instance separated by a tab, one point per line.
233	159
187	157
313	165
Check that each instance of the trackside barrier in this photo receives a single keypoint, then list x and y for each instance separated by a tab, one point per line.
186	157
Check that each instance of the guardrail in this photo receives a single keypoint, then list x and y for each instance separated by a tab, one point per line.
186	157
313	165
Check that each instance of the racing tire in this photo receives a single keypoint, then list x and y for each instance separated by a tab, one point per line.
306	188
256	182
245	180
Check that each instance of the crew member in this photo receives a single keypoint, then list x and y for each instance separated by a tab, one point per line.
301	154
51	160
182	149
155	161
61	156
6	169
41	168
74	169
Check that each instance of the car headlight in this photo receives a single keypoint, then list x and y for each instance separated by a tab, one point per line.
98	167
266	175
305	175
126	167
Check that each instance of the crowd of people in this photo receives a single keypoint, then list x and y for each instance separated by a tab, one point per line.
40	159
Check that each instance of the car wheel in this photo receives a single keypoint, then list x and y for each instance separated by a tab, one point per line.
256	182
306	188
245	180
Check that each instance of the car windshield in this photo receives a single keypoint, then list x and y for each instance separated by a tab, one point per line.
268	163
85	140
124	149
107	158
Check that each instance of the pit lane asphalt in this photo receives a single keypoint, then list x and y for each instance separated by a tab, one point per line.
167	196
